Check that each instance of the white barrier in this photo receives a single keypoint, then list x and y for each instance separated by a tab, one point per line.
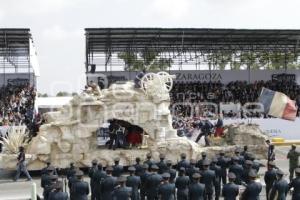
33	191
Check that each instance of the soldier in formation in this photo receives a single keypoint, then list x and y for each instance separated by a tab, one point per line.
187	180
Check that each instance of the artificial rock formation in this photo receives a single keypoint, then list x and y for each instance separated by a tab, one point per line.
69	135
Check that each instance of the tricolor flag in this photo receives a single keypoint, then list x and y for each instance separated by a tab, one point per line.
278	104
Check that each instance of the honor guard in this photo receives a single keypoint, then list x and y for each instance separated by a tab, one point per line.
134	182
182	182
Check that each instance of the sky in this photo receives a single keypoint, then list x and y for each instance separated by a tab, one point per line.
57	26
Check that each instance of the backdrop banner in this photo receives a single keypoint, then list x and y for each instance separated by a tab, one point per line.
224	76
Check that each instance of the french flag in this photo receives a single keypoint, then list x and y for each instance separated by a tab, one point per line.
277	104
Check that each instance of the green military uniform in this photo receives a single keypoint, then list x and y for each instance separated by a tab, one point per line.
293	156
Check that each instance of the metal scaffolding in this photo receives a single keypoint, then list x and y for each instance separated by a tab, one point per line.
187	46
17	54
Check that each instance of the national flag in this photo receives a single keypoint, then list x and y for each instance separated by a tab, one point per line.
277	104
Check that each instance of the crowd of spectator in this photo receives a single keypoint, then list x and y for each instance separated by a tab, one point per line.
237	92
17	105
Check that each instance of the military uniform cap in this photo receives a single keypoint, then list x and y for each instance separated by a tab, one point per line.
79	173
235	158
206	162
252	173
231	175
249	162
149	155
50	168
53	177
222	152
297	170
182	155
166	175
280	172
122	179
109	168
145	166
162	155
154	167
94	162
182	169
203	153
237	150
131	169
169	162
196	176
293	145
117	159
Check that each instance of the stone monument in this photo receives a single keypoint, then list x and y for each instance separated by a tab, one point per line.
69	135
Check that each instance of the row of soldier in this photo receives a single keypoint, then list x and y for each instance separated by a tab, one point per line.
202	179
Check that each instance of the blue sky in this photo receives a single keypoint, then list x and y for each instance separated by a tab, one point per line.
58	26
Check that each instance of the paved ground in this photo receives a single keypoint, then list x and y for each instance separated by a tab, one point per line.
20	190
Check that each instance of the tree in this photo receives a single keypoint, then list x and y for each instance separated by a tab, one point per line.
62	94
148	60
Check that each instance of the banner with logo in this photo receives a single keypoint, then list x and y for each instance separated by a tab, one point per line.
224	76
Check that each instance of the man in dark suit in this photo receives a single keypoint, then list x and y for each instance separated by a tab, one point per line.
223	163
253	189
134	182
218	173
152	183
280	187
57	193
182	182
149	160
80	189
113	127
237	169
98	177
46	181
121	192
200	162
162	164
92	171
196	189
166	190
295	183
230	190
108	185
208	179
270	178
138	167
183	162
117	168
171	171
144	178
247	168
191	169
49	186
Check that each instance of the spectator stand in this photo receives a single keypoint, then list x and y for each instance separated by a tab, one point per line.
19	70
